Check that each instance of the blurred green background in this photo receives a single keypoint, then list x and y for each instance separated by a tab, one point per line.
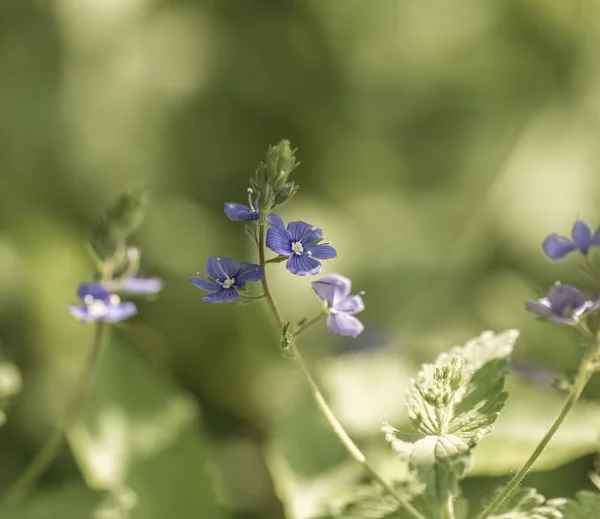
440	142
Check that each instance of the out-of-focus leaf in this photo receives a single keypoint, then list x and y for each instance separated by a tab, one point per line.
525	419
73	501
585	506
137	432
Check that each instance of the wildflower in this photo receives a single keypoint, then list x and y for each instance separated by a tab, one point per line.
100	304
226	278
247	213
557	247
128	285
335	291
563	305
300	242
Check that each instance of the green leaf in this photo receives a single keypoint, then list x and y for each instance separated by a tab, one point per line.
526	503
372	502
452	404
138	432
585	506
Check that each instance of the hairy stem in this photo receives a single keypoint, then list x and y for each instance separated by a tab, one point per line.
586	369
40	463
304	326
334	423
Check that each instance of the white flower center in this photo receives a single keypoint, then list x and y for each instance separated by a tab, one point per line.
228	282
97	308
297	247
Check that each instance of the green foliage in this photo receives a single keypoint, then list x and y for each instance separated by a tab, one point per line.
139	433
526	503
452	404
10	385
532	409
585	506
120	221
286	335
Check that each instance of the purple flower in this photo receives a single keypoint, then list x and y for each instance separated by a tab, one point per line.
299	242
563	305
247	213
225	278
100	305
335	291
557	247
130	285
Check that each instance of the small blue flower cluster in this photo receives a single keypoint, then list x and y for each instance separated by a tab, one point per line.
100	300
299	245
565	304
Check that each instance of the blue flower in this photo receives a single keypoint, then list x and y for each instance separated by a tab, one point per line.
129	285
564	304
247	213
557	247
299	242
225	278
100	304
335	291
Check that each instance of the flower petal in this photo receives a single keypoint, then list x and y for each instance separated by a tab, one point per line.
280	241
332	288
96	290
248	272
80	313
205	284
556	247
545	311
120	312
351	305
564	297
240	212
303	264
582	235
596	238
219	268
321	251
276	221
135	285
225	295
344	324
305	233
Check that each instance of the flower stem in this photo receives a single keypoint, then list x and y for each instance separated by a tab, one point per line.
586	370
307	324
449	508
334	423
36	468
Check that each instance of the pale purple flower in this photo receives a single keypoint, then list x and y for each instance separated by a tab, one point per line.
225	278
564	304
556	246
99	304
300	243
335	291
129	285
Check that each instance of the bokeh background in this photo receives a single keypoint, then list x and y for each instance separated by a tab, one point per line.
440	142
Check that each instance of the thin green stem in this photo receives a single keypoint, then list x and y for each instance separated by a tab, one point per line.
449	508
243	296
334	423
36	468
583	376
307	324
